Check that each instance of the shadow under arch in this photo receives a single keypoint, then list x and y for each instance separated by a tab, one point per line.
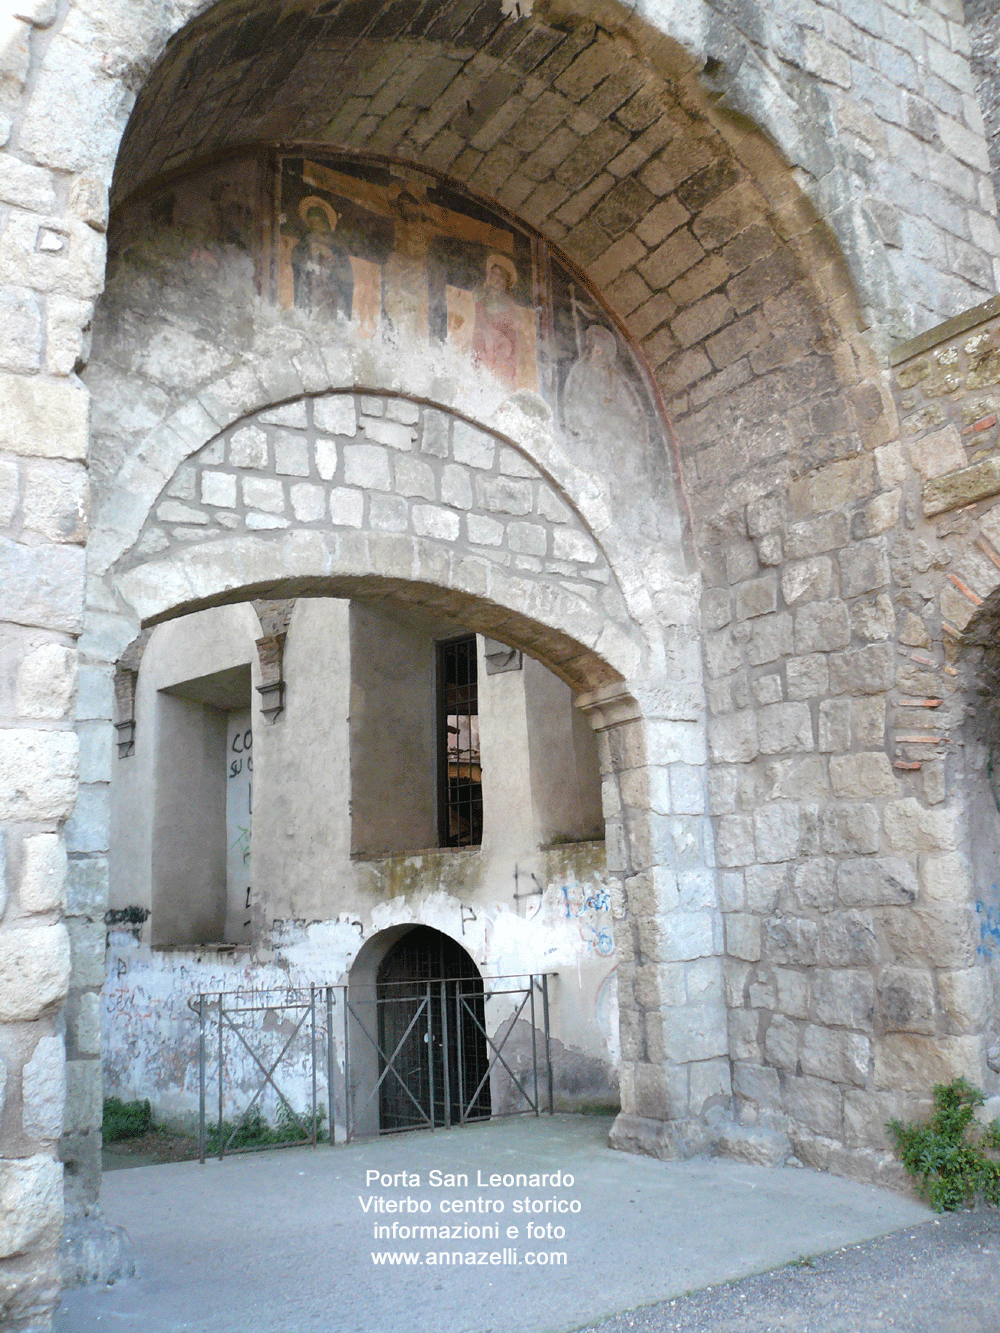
581	665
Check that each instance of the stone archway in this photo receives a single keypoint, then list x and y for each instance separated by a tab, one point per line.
535	611
784	385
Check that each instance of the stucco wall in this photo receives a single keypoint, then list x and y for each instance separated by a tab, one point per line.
323	791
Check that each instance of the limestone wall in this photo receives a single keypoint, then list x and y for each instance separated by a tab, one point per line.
947	390
597	132
851	733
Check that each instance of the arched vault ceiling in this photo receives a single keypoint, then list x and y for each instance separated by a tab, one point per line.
698	238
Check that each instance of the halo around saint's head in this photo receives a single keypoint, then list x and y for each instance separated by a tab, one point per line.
312	201
502	262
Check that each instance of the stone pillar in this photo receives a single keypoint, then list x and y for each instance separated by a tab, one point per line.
675	1077
91	1250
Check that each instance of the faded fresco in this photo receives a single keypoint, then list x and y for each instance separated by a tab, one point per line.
392	254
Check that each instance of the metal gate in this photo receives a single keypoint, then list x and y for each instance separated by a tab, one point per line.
368	1061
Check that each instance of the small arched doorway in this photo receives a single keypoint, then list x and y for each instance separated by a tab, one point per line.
431	1027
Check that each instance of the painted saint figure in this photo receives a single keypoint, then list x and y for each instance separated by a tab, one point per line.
497	326
598	400
324	279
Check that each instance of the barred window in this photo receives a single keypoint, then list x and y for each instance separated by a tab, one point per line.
461	781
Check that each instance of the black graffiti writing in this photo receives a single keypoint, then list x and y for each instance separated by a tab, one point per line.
242	741
470	917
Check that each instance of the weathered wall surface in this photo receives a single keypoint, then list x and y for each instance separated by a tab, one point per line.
856	823
180	651
984	41
596	133
151	1034
311	904
948	390
558	118
398	496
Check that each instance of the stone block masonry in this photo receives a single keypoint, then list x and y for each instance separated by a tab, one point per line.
438	477
856	824
762	287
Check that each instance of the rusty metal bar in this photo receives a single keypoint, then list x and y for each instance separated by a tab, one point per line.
347	1068
445	1055
548	1045
461	1053
498	1054
534	1039
329	1064
222	1150
268	1073
467	1004
312	1049
430	1054
389	1065
201	1079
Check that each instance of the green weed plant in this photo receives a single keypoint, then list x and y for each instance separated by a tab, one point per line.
125	1120
951	1157
255	1132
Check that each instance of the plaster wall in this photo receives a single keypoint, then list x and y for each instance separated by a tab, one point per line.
313	904
150	1032
189	826
394	758
302	785
183	651
565	774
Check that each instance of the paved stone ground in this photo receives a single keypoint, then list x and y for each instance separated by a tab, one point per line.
941	1277
280	1242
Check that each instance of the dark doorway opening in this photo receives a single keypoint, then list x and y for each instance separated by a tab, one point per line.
431	1007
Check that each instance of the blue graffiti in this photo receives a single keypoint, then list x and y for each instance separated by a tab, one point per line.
598	900
989	926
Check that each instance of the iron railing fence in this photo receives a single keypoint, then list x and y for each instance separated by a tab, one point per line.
381	1059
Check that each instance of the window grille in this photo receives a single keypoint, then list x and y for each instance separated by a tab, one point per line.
461	804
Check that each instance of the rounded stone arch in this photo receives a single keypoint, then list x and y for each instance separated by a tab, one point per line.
711	65
521	424
151	557
234	571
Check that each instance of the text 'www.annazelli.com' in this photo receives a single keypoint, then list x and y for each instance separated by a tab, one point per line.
473	1258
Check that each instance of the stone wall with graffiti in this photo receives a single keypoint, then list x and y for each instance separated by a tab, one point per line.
549	913
273	803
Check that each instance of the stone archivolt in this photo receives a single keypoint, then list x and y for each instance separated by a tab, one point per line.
804	845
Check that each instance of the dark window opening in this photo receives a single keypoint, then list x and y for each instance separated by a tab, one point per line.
461	805
441	1067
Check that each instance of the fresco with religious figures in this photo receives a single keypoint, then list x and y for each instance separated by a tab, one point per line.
394	256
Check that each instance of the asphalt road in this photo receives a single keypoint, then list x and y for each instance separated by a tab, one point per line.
940	1277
